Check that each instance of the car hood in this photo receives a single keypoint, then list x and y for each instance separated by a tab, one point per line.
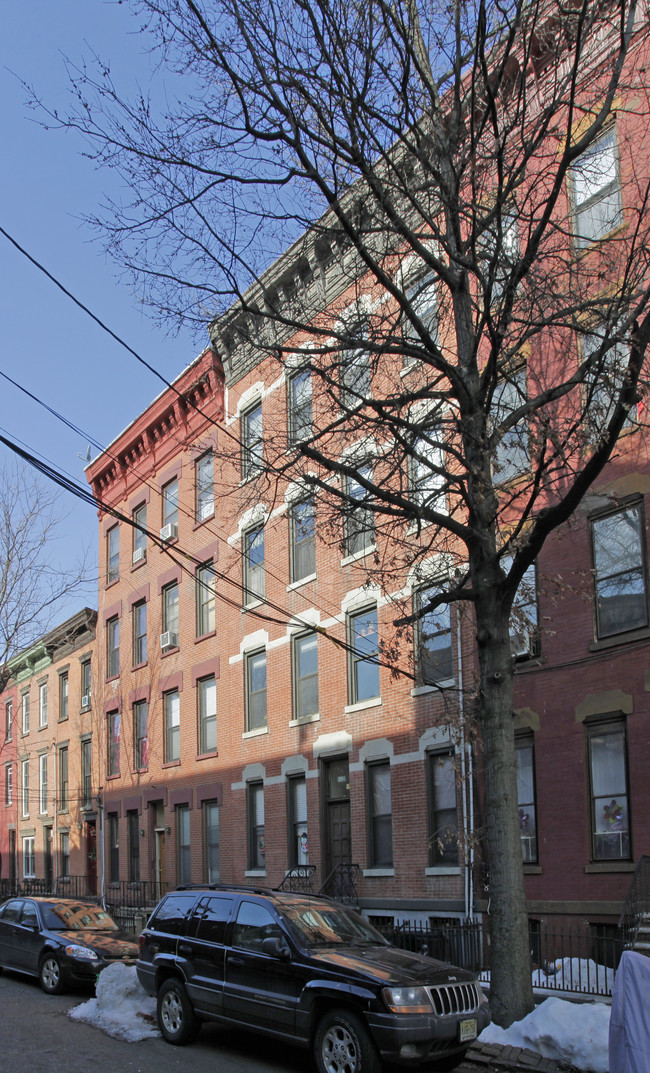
390	965
107	944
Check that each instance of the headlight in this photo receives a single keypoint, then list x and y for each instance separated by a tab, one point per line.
407	999
82	953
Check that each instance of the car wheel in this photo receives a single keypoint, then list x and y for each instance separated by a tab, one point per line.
442	1065
176	1018
342	1045
49	973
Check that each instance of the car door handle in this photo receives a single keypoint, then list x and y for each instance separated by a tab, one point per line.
184	948
234	960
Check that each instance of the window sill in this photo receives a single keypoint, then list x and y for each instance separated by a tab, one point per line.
63	718
207	756
441	870
110	584
138	771
113	777
255	733
597	867
315	718
423	691
301	581
140	563
204	521
378	872
622	638
139	666
113	677
374	702
88	708
253	604
532	869
165	652
171	763
255	872
166	543
348	559
205	636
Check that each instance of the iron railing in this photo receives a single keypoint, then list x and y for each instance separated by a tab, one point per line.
299	879
460	944
636	910
340	884
136	895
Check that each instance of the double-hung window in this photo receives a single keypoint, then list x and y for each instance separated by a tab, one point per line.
9	720
595	189
207	697
139	633
86	773
64	853
255	670
512	451
172	708
604	380
380	815
422	299
252	443
112	554
86	683
299	406
63	695
211	841
256	841
305	675
303	539
363	655
359	520
610	821
113	743
25	788
29	857
254	582
170	510
64	783
205	599
42	704
526	797
183	843
205	487
443	810
356	373
24	700
169	637
297	803
141	734
42	783
139	533
133	833
434	652
9	784
619	571
112	647
427	471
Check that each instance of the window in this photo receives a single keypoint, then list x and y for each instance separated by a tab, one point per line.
252	445
63	777
133	833
526	798
9	784
139	533
113	848
511	452
113	743
9	720
170	505
604	380
86	686
423	301
141	735
25	707
363	639
86	773
359	519
63	695
112	554
255	665
434	652
356	375
25	788
427	477
305	675
29	858
500	252
524	631
204	487
205	599
256	842
42	783
610	822
303	539
183	869
170	615
443	811
42	704
299	406
113	647
64	854
620	581
207	690
596	191
211	841
139	633
172	704
380	818
254	583
298	845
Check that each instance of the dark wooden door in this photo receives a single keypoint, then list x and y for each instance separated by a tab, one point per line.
91	856
338	848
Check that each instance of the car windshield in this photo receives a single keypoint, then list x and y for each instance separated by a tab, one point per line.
73	916
327	925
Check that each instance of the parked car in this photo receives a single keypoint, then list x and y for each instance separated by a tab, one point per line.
62	941
308	970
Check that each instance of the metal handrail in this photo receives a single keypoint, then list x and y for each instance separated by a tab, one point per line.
299	879
340	884
637	903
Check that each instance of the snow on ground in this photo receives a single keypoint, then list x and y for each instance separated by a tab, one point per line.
575	974
122	1007
573	1033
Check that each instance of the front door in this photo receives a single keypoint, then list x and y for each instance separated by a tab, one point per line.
91	856
338	847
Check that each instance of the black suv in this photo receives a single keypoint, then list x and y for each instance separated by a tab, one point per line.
307	970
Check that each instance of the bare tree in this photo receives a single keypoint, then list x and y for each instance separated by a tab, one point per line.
33	584
461	193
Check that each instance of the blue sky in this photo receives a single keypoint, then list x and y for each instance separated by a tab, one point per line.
49	345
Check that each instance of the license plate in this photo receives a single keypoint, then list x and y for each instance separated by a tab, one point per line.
467	1030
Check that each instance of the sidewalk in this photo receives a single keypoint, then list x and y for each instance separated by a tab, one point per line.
493	1056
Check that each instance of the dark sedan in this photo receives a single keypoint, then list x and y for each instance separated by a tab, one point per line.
60	940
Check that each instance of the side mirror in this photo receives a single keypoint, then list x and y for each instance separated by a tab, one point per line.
276	947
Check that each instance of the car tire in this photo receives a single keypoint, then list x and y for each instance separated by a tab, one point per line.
176	1018
49	974
342	1044
443	1065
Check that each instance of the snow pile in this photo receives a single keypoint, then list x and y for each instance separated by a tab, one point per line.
575	974
577	1035
122	1008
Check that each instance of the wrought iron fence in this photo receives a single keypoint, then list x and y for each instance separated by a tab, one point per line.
460	944
636	911
341	884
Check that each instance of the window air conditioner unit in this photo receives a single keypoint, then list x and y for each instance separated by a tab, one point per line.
168	639
169	532
85	700
139	554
